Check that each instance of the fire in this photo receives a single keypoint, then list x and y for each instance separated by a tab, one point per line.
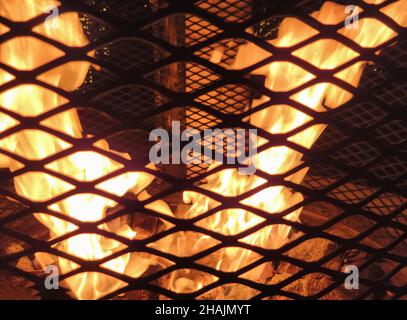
282	76
33	100
29	100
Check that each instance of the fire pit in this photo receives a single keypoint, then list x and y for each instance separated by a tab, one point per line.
239	149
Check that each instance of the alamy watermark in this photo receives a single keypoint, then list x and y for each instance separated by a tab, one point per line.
51	281
52	21
352	280
352	20
191	146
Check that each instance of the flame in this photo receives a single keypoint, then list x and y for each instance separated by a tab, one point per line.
282	76
29	100
32	100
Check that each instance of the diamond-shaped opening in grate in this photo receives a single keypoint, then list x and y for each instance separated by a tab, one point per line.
393	132
394	94
382	238
9	207
179	243
331	137
95	255
397	55
229	99
373	76
389	11
145	225
6	77
309	6
377	272
230	291
110	284
322	175
370	24
402	184
131	53
389	168
66	72
130	101
94	122
80	158
274	240
90	28
95	29
350	227
231	11
353	192
400	249
3	29
128	10
128	141
197	170
356	154
271	273
230	222
361	115
40	181
20	45
198	77
199	30
216	143
11	245
29	226
97	80
139	265
184	211
315	60
19	103
171	76
200	119
399	279
184	281
312	250
385	204
15	287
318	213
222	52
309	285
229	259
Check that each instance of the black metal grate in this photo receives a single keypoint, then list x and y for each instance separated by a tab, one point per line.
151	64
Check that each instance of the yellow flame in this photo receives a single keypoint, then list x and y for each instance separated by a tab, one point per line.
326	54
28	53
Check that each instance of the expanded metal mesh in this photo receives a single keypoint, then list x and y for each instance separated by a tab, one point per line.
152	65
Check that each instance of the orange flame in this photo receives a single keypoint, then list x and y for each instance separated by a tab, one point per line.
282	76
28	100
